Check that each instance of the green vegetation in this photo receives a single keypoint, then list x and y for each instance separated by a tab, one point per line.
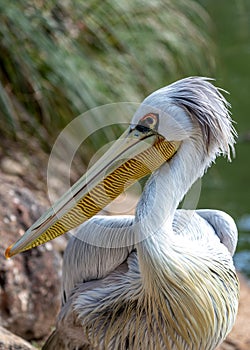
59	59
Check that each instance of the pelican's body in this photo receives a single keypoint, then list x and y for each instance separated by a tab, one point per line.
163	279
107	303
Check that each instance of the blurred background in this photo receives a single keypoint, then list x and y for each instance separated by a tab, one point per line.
59	59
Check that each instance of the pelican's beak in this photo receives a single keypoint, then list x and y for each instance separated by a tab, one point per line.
134	155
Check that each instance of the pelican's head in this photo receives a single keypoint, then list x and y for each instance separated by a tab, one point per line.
191	110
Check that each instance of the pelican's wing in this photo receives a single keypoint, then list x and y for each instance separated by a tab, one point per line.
223	225
99	246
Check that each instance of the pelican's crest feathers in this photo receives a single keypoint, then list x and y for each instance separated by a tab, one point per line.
206	103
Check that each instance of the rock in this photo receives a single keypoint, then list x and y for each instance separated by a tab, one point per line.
9	341
11	166
29	282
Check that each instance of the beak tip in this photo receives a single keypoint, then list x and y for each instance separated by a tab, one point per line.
8	253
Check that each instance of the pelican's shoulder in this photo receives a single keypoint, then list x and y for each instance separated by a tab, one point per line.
223	225
204	224
192	226
107	231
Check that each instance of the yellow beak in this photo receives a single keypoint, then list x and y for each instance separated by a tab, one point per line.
133	156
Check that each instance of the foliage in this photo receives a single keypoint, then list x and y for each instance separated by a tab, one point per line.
59	59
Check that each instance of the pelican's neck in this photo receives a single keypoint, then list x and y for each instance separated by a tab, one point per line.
167	187
159	201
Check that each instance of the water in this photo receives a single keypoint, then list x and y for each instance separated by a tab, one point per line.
227	185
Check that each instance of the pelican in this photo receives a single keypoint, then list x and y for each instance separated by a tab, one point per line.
163	278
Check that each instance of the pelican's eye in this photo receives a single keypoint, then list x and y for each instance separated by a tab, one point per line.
148	123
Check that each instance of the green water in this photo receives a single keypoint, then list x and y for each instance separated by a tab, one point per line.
227	185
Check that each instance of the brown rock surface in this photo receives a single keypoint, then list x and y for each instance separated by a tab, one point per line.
9	341
29	282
